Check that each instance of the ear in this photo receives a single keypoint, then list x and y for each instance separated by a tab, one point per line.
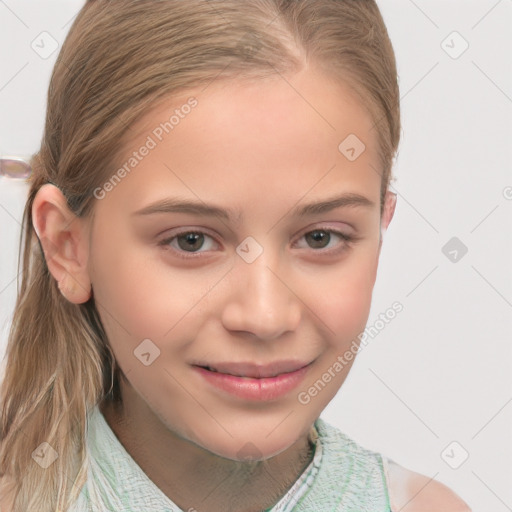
387	214
64	241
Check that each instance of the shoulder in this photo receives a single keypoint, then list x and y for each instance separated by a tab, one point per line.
412	492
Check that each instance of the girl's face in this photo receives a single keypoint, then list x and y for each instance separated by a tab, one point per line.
263	250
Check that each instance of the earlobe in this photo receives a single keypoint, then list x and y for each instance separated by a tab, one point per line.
61	234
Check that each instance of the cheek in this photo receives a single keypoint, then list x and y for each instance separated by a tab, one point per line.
341	302
141	296
345	311
341	295
125	289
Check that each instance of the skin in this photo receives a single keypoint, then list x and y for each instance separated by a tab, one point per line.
260	150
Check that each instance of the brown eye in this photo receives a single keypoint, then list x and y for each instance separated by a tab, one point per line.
190	242
325	241
318	239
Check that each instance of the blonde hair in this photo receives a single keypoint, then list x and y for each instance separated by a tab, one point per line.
118	59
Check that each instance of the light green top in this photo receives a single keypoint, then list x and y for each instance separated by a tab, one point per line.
342	477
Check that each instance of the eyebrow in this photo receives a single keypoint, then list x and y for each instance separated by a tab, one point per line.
176	205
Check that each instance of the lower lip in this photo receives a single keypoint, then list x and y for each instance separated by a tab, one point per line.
264	389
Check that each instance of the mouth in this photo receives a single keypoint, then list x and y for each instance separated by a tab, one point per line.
255	371
253	382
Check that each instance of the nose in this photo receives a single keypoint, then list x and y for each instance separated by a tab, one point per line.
261	300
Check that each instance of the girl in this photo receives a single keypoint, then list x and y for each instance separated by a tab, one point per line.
202	235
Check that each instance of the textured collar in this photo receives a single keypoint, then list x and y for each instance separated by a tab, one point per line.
342	477
117	483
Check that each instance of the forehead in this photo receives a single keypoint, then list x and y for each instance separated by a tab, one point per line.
291	133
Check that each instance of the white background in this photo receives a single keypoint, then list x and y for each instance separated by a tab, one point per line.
440	371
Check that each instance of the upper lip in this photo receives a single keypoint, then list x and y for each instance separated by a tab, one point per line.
255	370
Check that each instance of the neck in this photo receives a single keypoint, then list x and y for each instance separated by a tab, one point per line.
203	480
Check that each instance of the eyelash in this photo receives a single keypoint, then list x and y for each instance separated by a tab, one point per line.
348	240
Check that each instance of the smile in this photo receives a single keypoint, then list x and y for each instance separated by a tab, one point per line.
252	382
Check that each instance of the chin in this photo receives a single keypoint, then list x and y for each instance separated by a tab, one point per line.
250	444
